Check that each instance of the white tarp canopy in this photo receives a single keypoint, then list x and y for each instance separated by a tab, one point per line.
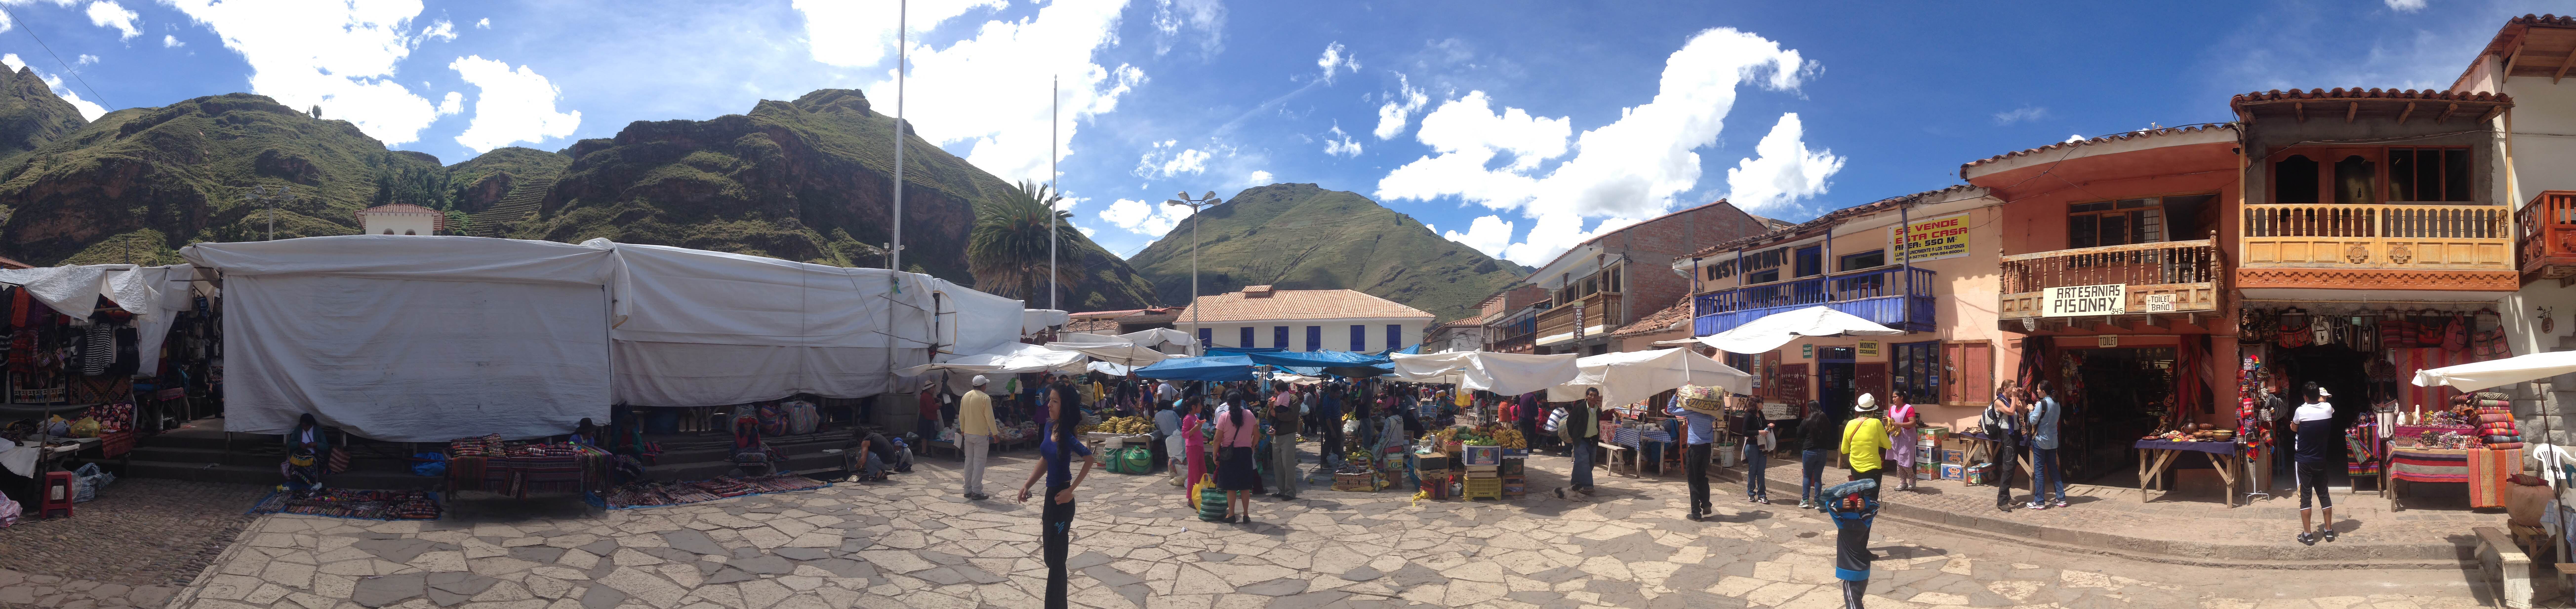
972	322
1503	373
1121	353
1159	338
1086	337
1033	321
1771	331
2491	373
1625	378
155	295
413	338
699	328
1022	358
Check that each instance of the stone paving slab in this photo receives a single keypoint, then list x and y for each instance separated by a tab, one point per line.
134	546
913	543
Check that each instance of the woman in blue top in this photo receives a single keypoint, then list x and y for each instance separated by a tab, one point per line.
1056	454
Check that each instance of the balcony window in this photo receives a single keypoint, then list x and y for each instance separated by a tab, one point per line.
1810	262
1763	276
1610	278
1864	260
1917	371
2114	223
2354	177
2428	174
2294	180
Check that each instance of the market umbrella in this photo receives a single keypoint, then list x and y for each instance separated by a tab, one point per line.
1158	338
1625	378
1013	359
1768	333
2516	369
1122	353
1503	373
1209	368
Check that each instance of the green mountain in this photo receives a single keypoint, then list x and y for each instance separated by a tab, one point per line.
807	180
1302	237
30	114
804	180
140	183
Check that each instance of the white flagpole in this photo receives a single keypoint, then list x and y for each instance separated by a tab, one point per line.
894	259
1054	89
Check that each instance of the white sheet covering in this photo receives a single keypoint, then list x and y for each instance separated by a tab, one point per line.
1121	353
411	360
435	258
973	322
700	328
1768	333
1503	373
1627	377
2491	373
169	287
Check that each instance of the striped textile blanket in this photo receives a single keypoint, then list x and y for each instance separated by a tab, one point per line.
2487	472
2417	465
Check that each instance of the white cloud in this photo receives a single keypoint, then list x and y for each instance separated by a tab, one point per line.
1399	108
2024	113
331	53
1086	231
484	24
1340	144
440	29
1631	168
170	41
1166	159
455	103
1190	161
861	34
514	105
14	63
109	14
1783	170
951	97
1336	58
2405	6
85	59
1205	17
2074	137
1488	234
1258	178
1143	218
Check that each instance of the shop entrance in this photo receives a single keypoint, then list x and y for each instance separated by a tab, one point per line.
2111	396
2341	371
1834	384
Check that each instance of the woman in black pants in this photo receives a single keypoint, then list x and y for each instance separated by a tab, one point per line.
1056	454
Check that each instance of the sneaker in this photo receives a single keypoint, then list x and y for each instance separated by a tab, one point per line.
2059	503
1806	505
2035	506
2308	538
1694	517
2329	532
1763	501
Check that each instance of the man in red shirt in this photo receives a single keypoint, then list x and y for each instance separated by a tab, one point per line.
929	427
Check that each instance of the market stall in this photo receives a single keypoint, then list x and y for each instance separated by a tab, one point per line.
2156	459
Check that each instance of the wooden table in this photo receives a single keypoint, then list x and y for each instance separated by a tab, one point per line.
1985	446
2156	458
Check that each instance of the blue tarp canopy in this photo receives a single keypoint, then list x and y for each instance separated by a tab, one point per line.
1209	368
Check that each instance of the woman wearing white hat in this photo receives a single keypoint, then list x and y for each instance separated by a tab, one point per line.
1864	438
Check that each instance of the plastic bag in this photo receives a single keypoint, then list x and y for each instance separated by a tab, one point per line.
429	464
91	479
87	427
58	427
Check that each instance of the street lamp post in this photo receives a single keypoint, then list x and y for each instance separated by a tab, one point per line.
1195	205
259	194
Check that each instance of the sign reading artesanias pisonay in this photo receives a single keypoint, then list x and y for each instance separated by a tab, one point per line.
2073	300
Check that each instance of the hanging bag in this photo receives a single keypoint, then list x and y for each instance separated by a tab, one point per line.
2393	329
2294	328
2429	325
2456	337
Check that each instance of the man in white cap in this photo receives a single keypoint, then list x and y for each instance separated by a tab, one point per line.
975	435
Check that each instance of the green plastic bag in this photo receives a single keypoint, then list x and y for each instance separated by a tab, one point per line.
1211	503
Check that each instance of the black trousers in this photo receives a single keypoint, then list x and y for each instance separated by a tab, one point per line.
1057	521
1160	461
2006	464
1332	448
1695	469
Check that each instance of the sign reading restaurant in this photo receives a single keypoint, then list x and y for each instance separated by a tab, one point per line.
2073	300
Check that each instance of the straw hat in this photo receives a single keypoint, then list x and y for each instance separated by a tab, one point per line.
1866	404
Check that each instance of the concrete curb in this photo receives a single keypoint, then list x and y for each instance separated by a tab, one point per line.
2345	554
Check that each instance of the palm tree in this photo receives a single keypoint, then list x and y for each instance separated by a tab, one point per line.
1008	250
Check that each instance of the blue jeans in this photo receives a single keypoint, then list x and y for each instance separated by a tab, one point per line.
1813	464
2044	472
1755	485
1583	464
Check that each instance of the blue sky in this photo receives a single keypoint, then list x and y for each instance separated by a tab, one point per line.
1520	127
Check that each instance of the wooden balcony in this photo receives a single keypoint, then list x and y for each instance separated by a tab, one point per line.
2187	271
2390	247
1600	316
1888	296
2548	243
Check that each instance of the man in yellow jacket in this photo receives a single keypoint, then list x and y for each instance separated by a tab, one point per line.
1864	437
975	429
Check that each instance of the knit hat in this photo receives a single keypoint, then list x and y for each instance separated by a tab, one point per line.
1866	404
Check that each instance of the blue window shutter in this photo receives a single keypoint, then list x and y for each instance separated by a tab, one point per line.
1359	337
1207	337
1247	338
1314	338
1395	336
1279	336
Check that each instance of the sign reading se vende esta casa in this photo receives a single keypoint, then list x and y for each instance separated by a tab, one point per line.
2069	301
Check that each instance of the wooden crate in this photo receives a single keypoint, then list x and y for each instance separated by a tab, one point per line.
1363	482
1484	488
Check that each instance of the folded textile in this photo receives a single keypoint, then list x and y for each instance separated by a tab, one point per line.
2503	445
2495	418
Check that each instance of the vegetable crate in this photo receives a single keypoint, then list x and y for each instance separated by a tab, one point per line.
1362	482
1484	455
1484	488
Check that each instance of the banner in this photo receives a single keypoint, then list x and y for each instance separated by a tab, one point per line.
1931	239
2069	301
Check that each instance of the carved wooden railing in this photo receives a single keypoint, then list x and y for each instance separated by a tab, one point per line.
2548	242
2189	271
2412	237
1600	309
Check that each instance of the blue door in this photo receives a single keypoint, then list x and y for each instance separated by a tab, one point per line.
1314	338
1279	336
1359	337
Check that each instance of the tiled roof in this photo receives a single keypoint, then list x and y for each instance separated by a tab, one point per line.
2116	137
1102	314
1657	322
1095	325
2513	28
1832	217
1296	304
2357	93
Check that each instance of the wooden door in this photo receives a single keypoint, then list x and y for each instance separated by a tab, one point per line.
1967	373
1870	378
